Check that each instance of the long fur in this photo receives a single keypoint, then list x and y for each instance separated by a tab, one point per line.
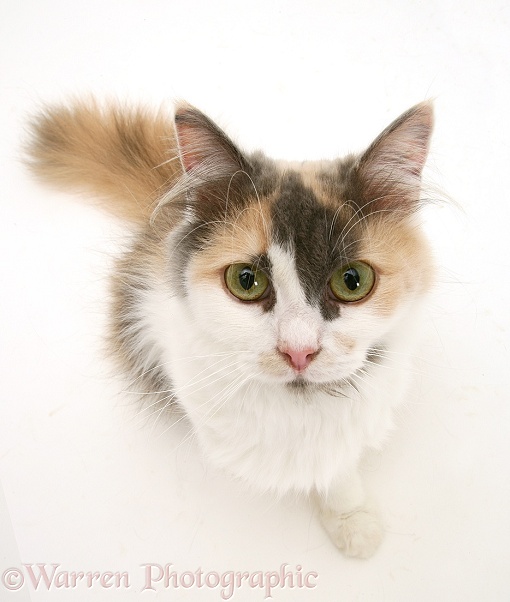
200	205
126	156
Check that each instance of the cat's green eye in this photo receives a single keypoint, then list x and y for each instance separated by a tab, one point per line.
352	282
245	282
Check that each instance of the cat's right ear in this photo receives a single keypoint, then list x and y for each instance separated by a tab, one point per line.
205	150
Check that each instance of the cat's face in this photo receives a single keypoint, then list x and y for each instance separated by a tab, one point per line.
302	270
300	284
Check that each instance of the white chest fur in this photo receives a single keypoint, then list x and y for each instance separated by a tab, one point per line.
265	433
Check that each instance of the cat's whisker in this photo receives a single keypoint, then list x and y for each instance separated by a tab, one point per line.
267	230
222	399
357	212
188	359
343	235
201	225
334	220
394	356
143	374
224	396
363	222
207	378
386	366
175	159
174	394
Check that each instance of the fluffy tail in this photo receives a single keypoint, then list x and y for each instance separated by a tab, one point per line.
127	157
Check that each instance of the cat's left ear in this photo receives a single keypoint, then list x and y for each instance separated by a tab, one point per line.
389	172
204	149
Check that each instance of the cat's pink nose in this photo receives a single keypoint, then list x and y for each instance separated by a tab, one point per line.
299	359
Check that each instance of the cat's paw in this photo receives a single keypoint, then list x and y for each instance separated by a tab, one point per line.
357	534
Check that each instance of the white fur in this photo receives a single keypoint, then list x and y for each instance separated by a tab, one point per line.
248	420
229	378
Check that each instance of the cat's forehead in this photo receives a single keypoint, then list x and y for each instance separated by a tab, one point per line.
305	214
316	225
299	232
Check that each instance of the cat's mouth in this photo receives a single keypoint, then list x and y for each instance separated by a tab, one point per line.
337	388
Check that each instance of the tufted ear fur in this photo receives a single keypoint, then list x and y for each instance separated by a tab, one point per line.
213	166
132	158
389	172
204	147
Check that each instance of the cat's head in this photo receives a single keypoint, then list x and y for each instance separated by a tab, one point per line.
303	269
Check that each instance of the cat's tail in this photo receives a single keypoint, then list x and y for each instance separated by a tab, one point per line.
125	156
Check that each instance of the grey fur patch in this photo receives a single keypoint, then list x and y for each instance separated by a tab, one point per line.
317	234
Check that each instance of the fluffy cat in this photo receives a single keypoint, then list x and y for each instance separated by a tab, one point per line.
276	304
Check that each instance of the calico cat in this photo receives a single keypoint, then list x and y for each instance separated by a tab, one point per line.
276	304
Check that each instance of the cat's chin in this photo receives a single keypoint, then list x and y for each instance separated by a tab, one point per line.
306	387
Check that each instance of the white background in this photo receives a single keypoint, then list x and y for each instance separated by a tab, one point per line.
91	484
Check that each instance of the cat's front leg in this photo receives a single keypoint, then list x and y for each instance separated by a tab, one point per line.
351	521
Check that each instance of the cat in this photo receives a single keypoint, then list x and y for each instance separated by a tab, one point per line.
276	304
